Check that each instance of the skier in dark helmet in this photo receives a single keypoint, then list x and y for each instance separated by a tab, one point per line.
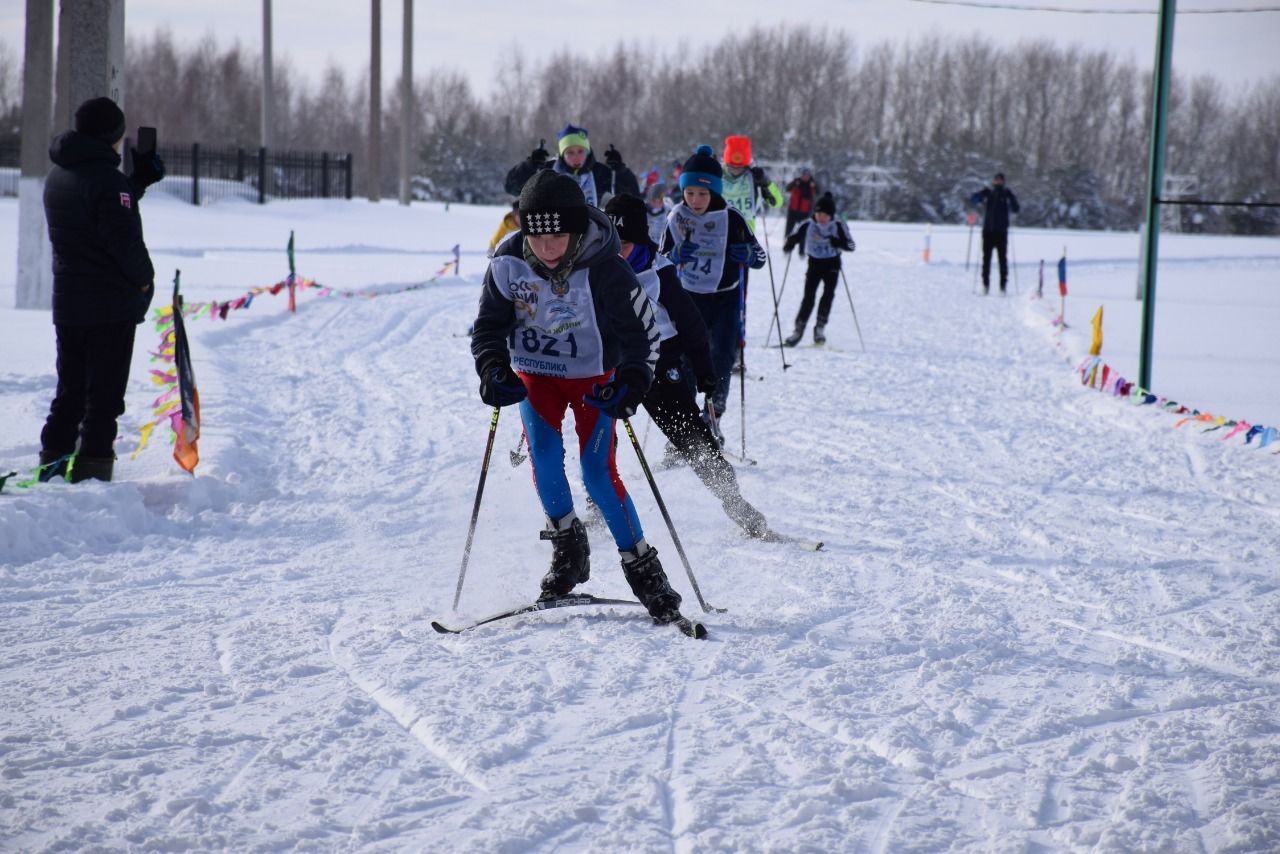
598	181
670	401
564	325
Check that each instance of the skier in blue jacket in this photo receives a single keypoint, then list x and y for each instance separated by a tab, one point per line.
713	246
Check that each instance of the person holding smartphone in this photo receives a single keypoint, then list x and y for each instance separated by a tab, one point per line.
103	282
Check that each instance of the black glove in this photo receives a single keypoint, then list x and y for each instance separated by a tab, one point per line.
539	156
757	174
147	170
707	383
613	158
620	397
499	386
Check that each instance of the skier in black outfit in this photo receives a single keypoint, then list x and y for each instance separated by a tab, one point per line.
670	402
1000	202
598	181
102	288
822	239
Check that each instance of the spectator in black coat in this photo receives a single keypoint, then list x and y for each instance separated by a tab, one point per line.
598	181
102	288
1000	202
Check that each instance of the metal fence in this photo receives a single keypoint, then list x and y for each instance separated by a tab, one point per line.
9	167
200	174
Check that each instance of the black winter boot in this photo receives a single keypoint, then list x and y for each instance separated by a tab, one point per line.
794	338
91	468
820	333
57	465
644	573
570	556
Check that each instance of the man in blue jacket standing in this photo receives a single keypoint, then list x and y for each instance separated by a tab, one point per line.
1000	202
102	287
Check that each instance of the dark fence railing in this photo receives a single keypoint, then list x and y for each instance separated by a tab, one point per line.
200	174
10	167
203	174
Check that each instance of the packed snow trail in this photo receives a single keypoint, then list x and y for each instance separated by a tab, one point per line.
1042	619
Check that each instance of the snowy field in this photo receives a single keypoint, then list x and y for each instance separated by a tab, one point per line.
1044	620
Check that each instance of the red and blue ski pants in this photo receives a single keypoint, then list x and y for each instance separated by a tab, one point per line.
543	415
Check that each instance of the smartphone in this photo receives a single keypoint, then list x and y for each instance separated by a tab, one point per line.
146	141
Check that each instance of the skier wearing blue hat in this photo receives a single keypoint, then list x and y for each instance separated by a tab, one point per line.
714	246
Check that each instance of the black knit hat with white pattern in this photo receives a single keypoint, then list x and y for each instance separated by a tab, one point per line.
551	203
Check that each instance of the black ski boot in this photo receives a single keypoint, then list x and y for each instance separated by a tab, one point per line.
794	338
92	468
644	573
570	556
820	333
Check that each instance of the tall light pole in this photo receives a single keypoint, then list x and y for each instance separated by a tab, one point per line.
268	80
408	109
1155	183
375	103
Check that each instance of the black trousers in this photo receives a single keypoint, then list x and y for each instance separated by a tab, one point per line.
672	406
999	241
827	277
93	373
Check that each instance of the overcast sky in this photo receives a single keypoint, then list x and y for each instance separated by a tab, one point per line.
478	37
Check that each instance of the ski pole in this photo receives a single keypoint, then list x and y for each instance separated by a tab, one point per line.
968	253
777	301
475	510
849	294
742	350
644	464
518	456
781	350
974	289
764	219
1013	257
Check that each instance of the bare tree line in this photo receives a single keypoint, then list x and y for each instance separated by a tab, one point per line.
1068	125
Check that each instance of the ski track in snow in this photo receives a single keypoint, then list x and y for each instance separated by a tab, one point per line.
1042	621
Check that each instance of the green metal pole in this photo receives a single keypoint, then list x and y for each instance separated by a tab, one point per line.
1155	180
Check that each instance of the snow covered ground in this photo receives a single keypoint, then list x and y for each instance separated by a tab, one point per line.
1043	620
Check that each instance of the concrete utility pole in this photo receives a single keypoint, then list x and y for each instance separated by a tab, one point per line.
268	80
35	260
90	56
408	109
375	104
90	64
